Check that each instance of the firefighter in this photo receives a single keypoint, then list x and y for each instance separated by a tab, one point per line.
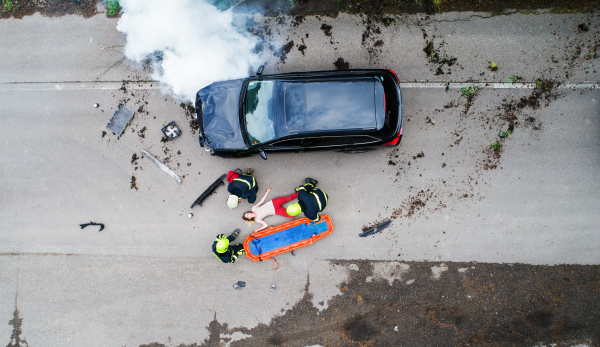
241	187
224	251
311	201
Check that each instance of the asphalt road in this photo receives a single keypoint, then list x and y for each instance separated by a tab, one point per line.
149	275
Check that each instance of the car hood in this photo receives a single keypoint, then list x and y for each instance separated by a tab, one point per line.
221	115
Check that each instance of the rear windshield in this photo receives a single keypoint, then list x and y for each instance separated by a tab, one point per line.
259	112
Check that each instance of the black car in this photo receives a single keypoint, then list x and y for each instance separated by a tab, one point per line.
351	111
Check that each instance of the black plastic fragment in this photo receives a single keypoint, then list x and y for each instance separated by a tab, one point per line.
92	223
209	190
375	229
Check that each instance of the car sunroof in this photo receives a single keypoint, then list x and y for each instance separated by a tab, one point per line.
295	106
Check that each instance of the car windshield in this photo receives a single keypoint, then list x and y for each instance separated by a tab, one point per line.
259	112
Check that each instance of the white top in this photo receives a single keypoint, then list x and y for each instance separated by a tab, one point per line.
265	210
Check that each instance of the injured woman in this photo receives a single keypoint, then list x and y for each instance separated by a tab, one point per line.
273	207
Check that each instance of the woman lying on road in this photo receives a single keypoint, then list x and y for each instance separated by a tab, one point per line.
273	207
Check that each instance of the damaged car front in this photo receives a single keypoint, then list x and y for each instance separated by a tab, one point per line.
218	108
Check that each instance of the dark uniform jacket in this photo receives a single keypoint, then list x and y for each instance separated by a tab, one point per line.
244	186
312	201
229	256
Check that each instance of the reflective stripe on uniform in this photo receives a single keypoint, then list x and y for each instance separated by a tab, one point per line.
220	237
318	201
217	256
233	258
250	186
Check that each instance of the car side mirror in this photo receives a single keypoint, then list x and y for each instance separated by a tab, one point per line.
262	154
260	70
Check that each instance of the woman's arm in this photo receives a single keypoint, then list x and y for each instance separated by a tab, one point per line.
264	225
263	198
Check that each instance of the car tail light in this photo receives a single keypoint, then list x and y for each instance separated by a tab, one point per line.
395	140
395	76
384	110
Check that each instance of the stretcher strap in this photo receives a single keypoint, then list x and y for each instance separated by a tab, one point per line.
256	242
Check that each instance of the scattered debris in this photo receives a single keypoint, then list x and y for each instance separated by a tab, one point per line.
103	134
120	120
190	215
341	64
274	268
92	223
134	157
375	229
162	166
133	183
273	287
171	131
209	191
96	105
142	133
239	285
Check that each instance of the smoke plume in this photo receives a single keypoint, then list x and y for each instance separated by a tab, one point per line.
191	42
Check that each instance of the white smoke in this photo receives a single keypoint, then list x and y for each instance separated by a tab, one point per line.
199	43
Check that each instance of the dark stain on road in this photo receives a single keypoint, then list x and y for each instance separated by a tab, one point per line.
341	64
15	336
469	304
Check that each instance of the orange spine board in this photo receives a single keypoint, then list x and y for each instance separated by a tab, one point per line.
274	229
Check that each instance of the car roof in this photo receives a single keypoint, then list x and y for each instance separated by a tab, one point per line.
306	105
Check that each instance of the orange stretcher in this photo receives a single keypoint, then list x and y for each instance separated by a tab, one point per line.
287	237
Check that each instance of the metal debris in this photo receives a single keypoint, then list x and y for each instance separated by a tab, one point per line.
375	229
92	223
120	120
209	190
190	215
171	131
273	287
162	166
239	285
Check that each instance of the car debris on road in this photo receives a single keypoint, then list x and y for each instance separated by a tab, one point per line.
376	228
208	191
92	223
120	120
162	166
171	131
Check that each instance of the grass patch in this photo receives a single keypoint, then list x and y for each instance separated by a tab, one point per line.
497	146
469	91
113	7
8	5
514	78
506	133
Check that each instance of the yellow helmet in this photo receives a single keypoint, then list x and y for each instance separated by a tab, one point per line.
222	245
293	209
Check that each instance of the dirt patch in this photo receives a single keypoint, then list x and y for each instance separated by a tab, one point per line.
282	52
341	64
326	29
142	132
134	159
49	8
190	113
442	60
470	304
133	183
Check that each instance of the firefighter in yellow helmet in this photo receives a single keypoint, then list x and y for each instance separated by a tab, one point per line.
311	201
224	251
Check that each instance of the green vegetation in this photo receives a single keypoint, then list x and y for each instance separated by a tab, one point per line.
506	133
469	91
8	5
539	83
591	54
292	4
113	7
513	78
493	64
497	146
